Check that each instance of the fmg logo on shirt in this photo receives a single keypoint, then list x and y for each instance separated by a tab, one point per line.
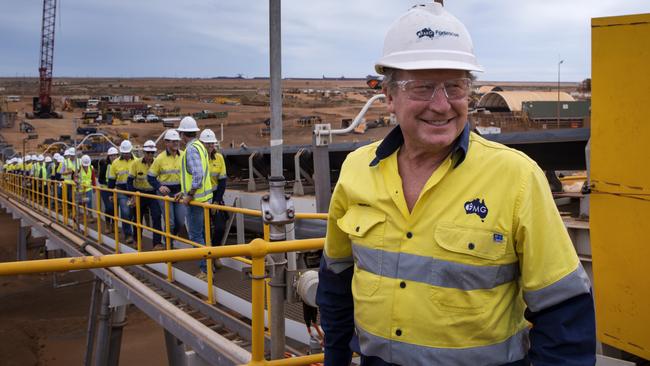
476	206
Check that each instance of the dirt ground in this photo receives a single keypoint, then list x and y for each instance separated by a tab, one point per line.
43	325
332	100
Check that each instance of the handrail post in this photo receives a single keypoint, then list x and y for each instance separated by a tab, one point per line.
64	197
257	302
138	222
115	222
98	208
168	241
208	261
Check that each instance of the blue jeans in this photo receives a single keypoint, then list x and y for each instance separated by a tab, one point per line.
108	205
126	213
177	214
195	227
149	205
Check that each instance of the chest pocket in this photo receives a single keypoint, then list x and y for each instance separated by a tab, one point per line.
475	243
365	227
477	252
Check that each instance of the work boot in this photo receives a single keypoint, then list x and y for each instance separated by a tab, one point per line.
203	276
158	247
129	240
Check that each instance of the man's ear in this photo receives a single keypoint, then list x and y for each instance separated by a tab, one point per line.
390	107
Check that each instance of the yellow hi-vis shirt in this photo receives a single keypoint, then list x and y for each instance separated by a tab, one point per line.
138	172
85	178
448	283
167	168
217	169
120	170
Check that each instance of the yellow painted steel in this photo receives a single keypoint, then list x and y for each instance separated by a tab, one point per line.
297	361
620	178
168	243
115	223
208	243
98	214
257	301
138	228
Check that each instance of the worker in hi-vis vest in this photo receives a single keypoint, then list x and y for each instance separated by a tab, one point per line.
138	183
195	182
165	177
117	178
442	247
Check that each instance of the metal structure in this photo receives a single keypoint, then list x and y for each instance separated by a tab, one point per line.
620	181
42	105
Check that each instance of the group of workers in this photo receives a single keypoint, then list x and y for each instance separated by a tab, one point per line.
196	173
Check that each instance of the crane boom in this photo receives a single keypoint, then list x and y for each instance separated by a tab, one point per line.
42	105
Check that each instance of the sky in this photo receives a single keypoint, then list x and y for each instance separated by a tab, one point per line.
513	40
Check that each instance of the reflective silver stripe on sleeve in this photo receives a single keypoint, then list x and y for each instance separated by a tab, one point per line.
338	265
435	272
571	285
511	350
170	183
150	174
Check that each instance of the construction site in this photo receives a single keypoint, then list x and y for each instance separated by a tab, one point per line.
73	291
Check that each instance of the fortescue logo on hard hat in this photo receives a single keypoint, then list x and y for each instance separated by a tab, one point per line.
427	32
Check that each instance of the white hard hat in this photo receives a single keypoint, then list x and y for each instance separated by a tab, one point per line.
20	160
48	159
126	147
172	135
85	160
149	145
60	159
188	124
57	156
28	157
69	152
208	136
112	151
40	158
428	37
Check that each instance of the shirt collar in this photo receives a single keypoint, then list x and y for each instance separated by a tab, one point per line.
395	139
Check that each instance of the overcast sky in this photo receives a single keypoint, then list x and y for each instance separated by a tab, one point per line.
514	40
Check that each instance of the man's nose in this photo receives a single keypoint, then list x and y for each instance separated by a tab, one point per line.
439	102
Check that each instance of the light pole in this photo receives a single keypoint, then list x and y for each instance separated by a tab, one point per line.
558	92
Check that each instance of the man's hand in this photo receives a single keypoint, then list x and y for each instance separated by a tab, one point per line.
187	198
164	190
178	196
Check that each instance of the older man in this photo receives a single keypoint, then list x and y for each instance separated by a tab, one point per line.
442	247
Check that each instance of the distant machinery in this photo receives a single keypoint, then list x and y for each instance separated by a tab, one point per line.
42	105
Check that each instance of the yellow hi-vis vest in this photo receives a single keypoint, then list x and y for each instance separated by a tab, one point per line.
167	169
86	179
66	169
120	170
204	193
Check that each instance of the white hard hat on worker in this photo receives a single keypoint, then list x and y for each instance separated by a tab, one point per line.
149	146
427	57
126	147
208	137
188	124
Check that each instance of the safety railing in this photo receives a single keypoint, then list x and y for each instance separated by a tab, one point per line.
52	198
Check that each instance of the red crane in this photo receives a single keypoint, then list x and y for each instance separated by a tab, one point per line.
42	105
